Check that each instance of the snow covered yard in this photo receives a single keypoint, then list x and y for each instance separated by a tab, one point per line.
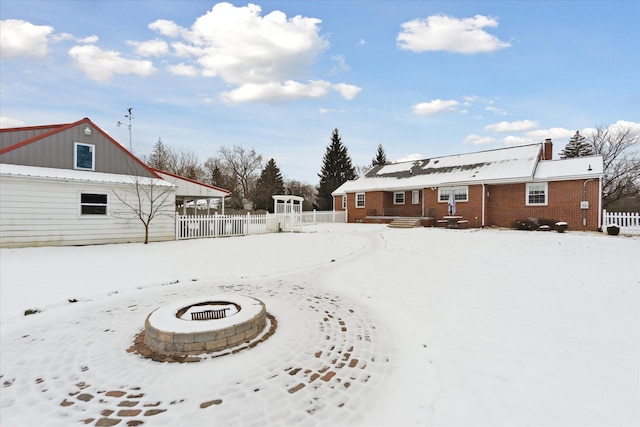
376	326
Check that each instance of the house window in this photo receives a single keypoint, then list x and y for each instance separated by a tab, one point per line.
537	194
84	156
93	204
461	194
415	197
359	200
398	198
344	202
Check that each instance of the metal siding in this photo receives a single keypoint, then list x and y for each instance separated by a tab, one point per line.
41	212
56	151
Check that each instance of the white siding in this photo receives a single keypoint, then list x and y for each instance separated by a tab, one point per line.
37	211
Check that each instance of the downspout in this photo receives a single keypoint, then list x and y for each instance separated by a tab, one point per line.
584	198
484	196
600	203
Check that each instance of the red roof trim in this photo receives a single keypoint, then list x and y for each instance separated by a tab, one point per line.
62	128
193	181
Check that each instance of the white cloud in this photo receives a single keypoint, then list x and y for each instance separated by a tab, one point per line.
341	64
554	133
88	40
166	28
275	92
240	46
517	126
183	70
10	122
410	157
479	140
101	65
497	111
154	47
262	56
21	38
435	107
346	90
361	42
445	33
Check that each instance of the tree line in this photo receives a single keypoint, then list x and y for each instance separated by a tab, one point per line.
252	181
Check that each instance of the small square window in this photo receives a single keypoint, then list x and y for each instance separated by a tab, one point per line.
359	200
93	204
84	156
398	198
537	194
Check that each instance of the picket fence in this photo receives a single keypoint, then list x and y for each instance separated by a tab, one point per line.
629	222
199	226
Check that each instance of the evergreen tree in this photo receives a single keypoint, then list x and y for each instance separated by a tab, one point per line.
380	158
336	170
161	157
269	184
577	147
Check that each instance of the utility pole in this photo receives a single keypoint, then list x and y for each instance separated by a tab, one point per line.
130	117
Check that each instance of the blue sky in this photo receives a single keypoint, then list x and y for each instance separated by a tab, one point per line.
422	78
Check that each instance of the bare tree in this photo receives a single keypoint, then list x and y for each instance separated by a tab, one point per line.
146	199
298	188
245	166
618	145
186	164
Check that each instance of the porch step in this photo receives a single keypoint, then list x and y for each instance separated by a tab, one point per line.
404	223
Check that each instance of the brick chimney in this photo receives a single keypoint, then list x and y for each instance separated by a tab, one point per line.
547	150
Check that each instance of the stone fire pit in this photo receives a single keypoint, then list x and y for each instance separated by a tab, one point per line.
204	324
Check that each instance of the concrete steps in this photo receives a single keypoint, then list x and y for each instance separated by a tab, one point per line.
404	223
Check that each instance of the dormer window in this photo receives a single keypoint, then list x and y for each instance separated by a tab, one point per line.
84	156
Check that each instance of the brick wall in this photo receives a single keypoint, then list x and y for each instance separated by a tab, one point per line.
506	203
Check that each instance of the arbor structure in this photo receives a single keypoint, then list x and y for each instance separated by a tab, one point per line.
270	183
578	146
336	170
618	144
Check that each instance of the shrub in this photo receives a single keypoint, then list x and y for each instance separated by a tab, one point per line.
31	311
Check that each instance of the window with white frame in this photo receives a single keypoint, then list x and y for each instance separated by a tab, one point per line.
415	197
359	200
344	202
461	194
398	198
537	194
93	204
84	156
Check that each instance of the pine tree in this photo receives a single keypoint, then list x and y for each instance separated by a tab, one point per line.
577	147
269	184
161	157
336	170
380	158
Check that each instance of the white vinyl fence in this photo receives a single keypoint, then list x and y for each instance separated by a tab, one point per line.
629	222
199	226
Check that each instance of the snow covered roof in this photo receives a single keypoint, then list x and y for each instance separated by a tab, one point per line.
577	167
76	175
502	165
190	188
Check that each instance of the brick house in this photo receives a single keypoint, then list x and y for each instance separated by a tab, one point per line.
491	188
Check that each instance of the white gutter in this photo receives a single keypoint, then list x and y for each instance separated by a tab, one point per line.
484	196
